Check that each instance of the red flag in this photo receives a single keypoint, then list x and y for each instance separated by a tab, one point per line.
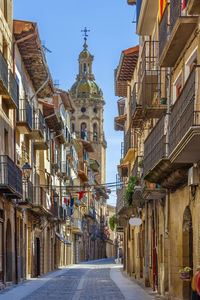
184	4
81	194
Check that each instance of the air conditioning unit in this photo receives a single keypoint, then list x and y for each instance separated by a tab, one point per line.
193	176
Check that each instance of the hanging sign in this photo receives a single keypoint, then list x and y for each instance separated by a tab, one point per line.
135	221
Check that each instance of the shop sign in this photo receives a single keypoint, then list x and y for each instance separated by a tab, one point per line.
135	221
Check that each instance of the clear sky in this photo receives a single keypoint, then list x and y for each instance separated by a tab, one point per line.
111	31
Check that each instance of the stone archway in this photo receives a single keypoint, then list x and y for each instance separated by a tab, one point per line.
187	249
9	253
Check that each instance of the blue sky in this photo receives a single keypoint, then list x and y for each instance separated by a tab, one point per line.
111	31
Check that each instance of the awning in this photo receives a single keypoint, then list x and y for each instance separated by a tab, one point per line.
63	239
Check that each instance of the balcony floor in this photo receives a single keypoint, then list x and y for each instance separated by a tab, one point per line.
194	7
41	145
177	40
187	151
23	127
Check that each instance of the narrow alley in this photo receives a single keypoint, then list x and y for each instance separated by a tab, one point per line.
100	279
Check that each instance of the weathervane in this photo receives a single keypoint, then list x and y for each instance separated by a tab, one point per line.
85	30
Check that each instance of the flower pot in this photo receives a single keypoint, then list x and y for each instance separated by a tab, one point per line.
185	275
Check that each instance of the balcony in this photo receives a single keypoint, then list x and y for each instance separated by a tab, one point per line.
13	100
184	135
27	195
135	109
3	76
149	85
130	146
65	170
146	16
38	126
42	203
62	136
82	172
10	178
152	191
43	143
173	38
193	7
24	117
121	206
76	225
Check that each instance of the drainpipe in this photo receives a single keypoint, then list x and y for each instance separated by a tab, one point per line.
146	262
168	110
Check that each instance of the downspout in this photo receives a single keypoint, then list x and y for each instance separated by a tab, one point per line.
146	262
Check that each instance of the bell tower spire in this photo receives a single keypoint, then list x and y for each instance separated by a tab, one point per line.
85	60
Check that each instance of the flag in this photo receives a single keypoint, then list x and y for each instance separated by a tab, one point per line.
81	194
185	2
162	6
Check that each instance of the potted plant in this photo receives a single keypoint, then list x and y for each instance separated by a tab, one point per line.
129	191
185	272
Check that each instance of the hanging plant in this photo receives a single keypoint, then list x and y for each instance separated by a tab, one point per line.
141	163
112	222
129	191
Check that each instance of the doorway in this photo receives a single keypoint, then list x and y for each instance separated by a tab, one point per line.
187	249
37	257
9	256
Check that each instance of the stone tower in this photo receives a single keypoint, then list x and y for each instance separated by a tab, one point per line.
87	120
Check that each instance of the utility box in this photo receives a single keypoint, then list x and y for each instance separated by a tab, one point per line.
193	176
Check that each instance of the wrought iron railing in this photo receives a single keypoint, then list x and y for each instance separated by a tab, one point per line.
133	101
129	141
10	174
13	88
121	202
27	191
76	223
38	122
154	146
163	31
184	113
175	12
3	71
24	113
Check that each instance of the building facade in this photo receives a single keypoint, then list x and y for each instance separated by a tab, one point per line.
160	162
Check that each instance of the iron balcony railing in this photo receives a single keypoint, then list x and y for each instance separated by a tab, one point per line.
175	12
13	89
24	113
163	31
133	101
76	223
27	191
38	122
184	113
3	71
121	202
135	170
129	141
10	175
154	146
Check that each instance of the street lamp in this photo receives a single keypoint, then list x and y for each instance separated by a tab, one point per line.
26	171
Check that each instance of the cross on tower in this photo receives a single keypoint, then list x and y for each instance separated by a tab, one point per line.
85	30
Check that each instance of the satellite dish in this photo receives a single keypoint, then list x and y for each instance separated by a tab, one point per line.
135	221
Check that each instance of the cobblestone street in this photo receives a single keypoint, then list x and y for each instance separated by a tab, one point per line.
92	280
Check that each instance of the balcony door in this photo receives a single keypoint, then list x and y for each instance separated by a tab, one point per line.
9	253
187	250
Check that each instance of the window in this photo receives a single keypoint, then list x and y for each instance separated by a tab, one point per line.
83	109
95	110
95	134
84	131
177	86
6	142
190	63
84	68
72	127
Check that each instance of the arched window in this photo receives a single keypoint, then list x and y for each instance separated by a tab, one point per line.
95	133
84	131
84	68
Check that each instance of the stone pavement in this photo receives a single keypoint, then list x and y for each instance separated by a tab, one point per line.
95	280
